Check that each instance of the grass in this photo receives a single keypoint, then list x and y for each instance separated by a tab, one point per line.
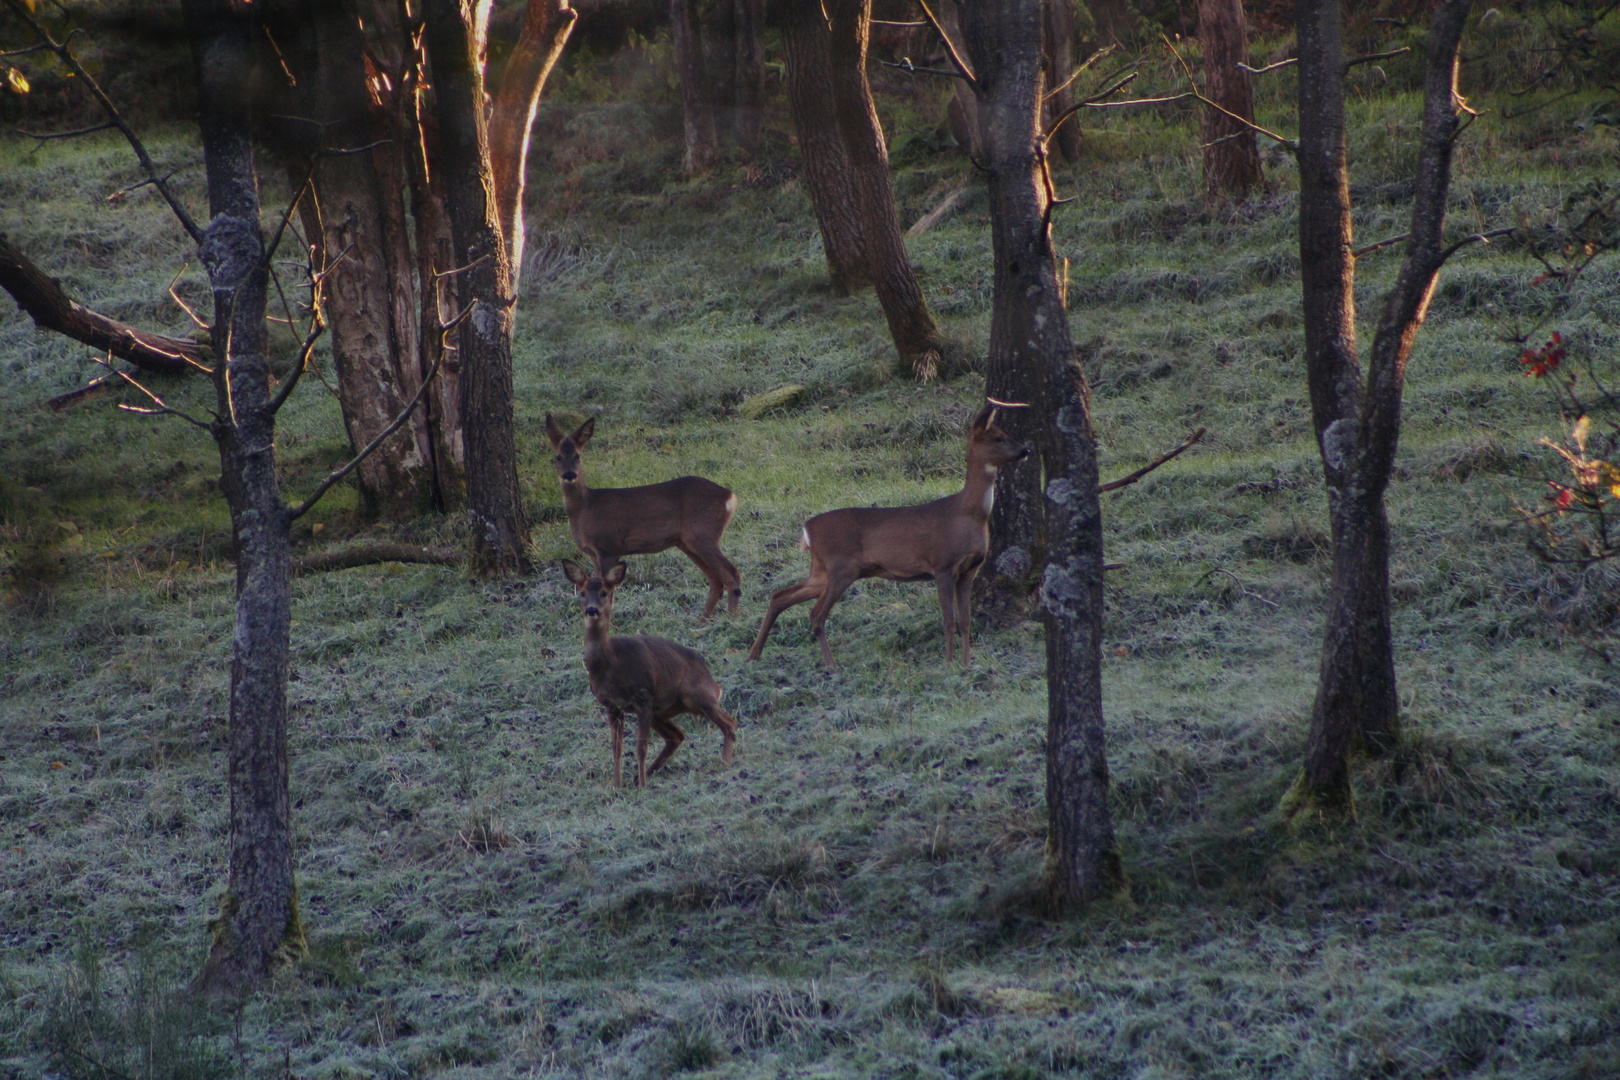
850	898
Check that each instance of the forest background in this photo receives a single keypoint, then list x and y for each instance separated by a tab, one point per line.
848	900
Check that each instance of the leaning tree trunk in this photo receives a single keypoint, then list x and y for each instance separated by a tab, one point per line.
355	217
1356	703
500	534
1082	857
697	105
259	916
1231	155
916	338
828	176
546	26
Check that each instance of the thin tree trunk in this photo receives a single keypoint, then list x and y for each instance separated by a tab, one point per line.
702	138
546	26
1082	857
1059	49
963	112
259	916
717	30
1231	155
916	338
1357	706
828	175
500	534
750	95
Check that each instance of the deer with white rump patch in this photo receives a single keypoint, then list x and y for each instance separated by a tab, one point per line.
689	513
653	677
945	541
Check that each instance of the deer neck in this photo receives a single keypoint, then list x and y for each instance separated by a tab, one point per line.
598	641
979	493
574	495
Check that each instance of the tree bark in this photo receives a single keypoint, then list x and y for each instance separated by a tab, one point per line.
259	917
546	26
1082	857
43	298
750	95
1357	706
916	338
1231	154
828	175
1059	51
702	137
356	219
454	33
963	111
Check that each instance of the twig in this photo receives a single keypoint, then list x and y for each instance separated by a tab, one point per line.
437	274
1140	101
1091	102
1290	62
185	307
906	65
136	186
94	388
1241	589
1125	481
317	324
405	414
950	46
163	408
1077	72
1372	57
1218	107
113	115
1477	238
46	136
1370	248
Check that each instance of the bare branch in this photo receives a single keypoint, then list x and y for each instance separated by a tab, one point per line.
371	552
1370	248
1373	57
94	388
1222	109
950	46
1290	62
162	407
317	325
1092	102
46	136
113	115
1241	589
1477	238
127	189
1078	71
1126	481
906	65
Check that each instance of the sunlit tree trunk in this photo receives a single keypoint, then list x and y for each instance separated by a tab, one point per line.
454	34
258	921
1031	324
1231	155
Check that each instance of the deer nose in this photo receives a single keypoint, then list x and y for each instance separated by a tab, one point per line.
592	611
569	476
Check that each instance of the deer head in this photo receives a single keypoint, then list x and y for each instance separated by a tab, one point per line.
989	447
568	448
595	592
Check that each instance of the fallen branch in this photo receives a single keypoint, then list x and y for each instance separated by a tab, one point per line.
92	389
1241	589
371	552
1126	481
937	214
51	308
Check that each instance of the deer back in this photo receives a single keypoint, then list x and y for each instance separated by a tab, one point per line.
637	665
650	518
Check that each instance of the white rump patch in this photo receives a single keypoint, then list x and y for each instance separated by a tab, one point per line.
804	539
731	503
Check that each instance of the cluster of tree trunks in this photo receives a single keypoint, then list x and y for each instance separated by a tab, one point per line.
1357	427
720	58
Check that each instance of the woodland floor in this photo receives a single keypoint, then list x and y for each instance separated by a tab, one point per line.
850	899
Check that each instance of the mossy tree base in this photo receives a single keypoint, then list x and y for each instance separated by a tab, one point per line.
1306	804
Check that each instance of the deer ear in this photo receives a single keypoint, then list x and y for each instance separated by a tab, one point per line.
576	573
553	432
583	435
986	417
615	575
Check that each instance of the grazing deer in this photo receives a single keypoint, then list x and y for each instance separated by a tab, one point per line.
944	541
689	513
652	677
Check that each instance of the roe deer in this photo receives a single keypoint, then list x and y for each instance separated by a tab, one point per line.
653	677
689	513
945	540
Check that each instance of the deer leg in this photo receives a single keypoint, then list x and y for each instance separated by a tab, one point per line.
644	720
615	719
946	584
716	582
673	737
830	595
725	722
964	610
781	600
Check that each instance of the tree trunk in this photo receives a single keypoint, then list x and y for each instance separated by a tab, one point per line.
1357	706
1059	51
717	29
1231	155
963	112
259	917
916	338
1082	858
500	534
750	97
702	138
828	176
356	219
546	26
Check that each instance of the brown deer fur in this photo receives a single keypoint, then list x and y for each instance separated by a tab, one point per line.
653	677
689	513
944	541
